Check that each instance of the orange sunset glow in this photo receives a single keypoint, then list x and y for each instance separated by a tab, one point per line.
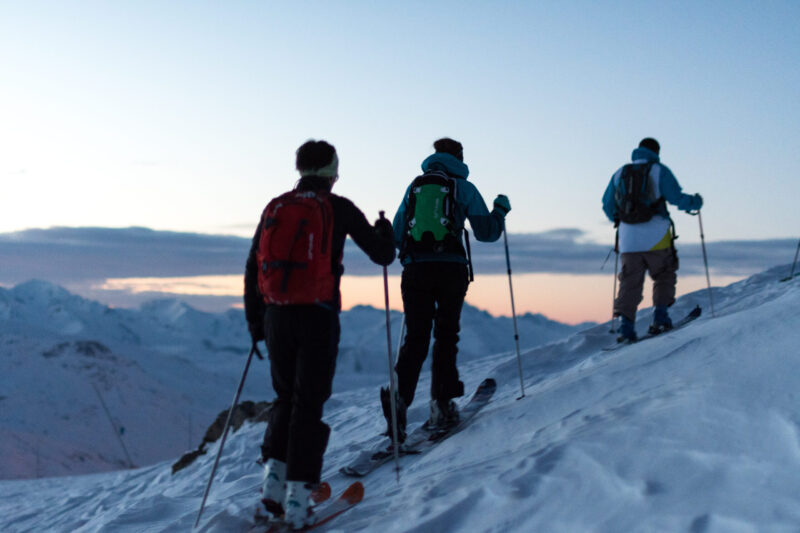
567	298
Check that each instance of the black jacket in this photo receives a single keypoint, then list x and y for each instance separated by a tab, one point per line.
376	241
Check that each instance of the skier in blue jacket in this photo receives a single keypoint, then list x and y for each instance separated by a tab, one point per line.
647	245
435	279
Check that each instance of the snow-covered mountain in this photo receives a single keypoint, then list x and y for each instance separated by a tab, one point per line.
87	388
697	430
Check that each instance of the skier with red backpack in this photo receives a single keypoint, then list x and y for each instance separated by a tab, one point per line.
635	200
428	231
292	302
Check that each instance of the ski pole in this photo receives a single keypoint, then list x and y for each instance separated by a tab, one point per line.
400	338
253	350
392	384
794	263
614	296
705	260
513	312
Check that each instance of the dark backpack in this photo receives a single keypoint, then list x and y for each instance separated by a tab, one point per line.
295	264
430	224
633	195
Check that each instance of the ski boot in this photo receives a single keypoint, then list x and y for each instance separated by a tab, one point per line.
627	332
661	321
298	504
444	414
400	407
273	487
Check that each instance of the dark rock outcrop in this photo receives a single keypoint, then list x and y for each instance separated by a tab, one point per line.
244	411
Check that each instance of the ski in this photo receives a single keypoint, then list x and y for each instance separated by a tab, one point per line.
695	313
348	499
422	438
321	493
322	513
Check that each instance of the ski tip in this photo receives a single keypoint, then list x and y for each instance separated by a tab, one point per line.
488	384
349	472
354	493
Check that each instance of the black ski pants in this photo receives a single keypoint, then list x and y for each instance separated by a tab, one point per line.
303	341
433	295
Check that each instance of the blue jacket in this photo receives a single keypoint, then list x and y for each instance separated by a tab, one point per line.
668	187
656	233
486	226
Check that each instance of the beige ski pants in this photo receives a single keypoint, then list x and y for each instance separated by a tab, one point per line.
662	266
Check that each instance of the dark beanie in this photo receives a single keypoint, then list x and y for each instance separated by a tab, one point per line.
449	146
651	144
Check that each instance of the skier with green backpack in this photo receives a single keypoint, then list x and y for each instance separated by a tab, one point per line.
429	231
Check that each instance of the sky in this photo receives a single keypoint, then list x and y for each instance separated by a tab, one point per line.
185	116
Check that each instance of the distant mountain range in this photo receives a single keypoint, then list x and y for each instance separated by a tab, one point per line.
88	388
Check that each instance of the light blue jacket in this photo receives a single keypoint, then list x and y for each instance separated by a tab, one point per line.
668	187
656	233
486	226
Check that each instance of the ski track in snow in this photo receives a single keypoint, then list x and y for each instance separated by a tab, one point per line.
697	430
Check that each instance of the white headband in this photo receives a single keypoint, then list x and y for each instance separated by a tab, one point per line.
331	170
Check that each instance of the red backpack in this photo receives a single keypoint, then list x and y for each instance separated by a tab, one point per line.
294	253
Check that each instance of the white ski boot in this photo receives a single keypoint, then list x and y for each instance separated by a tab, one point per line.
298	504
444	414
273	487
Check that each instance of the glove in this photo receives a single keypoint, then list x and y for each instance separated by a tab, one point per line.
384	229
256	332
698	202
502	204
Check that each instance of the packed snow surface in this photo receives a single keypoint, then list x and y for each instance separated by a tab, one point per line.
697	430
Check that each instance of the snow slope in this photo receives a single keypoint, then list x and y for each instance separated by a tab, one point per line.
697	430
163	372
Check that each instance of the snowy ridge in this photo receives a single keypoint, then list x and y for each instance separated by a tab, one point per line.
697	430
164	372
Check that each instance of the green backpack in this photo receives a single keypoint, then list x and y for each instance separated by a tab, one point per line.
430	223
